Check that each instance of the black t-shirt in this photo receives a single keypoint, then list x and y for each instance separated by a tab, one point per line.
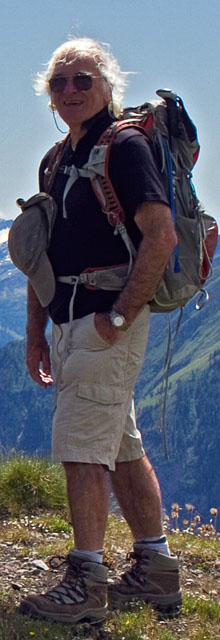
84	238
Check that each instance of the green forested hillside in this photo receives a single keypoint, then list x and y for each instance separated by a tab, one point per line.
26	408
192	472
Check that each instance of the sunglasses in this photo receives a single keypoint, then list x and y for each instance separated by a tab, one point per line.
81	81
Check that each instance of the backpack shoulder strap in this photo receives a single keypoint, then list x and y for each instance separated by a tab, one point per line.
101	184
53	161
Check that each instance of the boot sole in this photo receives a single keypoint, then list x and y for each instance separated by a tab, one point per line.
93	616
166	603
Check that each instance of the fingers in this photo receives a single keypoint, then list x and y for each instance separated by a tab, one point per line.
46	378
46	366
37	356
35	374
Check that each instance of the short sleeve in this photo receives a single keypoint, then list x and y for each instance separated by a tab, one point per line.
134	172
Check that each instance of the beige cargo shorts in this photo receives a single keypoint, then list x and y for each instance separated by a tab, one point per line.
94	419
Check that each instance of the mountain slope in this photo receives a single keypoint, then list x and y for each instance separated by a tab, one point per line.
12	293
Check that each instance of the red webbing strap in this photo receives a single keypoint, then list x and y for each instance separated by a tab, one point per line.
53	163
112	207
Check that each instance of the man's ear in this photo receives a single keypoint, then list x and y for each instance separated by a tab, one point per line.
108	92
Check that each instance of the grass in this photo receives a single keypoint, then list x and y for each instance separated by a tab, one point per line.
30	484
198	621
40	528
207	610
55	523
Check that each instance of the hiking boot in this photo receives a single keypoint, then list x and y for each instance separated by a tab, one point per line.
81	596
153	578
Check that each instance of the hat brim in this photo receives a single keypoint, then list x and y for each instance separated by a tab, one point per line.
43	281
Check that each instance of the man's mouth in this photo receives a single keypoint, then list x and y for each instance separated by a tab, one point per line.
69	103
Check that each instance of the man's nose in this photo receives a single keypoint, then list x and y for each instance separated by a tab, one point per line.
70	86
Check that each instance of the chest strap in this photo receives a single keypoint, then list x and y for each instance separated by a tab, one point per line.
74	173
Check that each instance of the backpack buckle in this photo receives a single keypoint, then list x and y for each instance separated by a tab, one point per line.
202	299
88	278
73	279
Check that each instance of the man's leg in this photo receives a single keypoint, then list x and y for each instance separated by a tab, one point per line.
82	594
138	493
154	577
88	494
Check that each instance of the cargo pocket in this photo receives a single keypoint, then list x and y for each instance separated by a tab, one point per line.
100	393
101	414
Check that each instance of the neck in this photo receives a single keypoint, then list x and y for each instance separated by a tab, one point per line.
76	132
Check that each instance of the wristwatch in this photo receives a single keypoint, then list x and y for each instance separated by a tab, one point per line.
118	320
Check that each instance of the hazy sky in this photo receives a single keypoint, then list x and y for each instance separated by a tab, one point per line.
172	43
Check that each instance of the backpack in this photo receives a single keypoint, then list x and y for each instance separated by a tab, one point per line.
174	142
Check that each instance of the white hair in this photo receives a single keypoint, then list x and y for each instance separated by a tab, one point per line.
77	48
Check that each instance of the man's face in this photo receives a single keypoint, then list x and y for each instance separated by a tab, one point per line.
76	106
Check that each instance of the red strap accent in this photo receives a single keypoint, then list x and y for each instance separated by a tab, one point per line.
195	155
210	244
148	123
112	207
53	163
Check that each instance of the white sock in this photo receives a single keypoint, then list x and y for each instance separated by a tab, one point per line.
156	544
92	556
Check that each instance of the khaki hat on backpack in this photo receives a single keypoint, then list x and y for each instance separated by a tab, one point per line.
28	241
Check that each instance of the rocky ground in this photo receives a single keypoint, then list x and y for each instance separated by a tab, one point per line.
27	546
23	569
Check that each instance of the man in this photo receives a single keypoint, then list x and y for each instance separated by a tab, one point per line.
99	339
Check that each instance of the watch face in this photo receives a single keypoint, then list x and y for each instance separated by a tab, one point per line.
118	321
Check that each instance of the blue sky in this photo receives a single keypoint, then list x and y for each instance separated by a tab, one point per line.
173	43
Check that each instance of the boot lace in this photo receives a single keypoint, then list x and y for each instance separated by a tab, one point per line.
135	573
72	589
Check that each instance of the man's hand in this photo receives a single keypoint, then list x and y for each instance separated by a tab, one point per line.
105	329
38	361
38	351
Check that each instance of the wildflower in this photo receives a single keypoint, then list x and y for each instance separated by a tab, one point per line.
175	506
189	507
197	519
214	512
175	517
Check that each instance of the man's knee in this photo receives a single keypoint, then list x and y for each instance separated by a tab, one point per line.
84	469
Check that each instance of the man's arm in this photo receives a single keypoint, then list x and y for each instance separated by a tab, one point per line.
38	351
159	239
